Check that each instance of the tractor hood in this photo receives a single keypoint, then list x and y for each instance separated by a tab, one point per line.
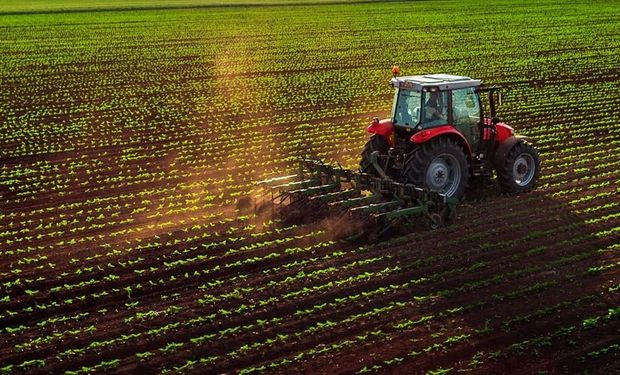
383	127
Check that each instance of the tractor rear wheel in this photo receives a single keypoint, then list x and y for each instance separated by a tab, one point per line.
520	170
376	143
439	165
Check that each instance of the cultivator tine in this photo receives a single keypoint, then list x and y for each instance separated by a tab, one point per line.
337	196
315	185
295	185
314	190
375	208
278	179
402	213
355	202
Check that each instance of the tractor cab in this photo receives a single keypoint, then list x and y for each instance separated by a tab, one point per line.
434	100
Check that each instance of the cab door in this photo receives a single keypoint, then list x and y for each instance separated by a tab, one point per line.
466	114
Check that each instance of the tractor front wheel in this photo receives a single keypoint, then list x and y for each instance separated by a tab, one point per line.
375	143
520	170
439	165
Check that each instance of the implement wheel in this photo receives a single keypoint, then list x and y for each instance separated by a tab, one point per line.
376	143
439	165
520	170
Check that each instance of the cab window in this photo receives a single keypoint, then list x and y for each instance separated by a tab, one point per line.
466	113
435	111
407	108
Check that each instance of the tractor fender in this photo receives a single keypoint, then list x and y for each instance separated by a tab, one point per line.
504	148
383	128
503	131
426	135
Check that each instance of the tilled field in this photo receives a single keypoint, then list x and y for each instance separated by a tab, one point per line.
131	234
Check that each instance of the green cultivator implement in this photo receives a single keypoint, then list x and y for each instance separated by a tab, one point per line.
363	205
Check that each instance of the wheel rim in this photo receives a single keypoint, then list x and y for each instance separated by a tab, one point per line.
444	174
523	169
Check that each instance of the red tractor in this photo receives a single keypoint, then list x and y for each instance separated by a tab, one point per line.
440	134
416	163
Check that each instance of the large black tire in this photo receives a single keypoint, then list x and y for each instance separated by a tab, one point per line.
438	165
375	143
520	170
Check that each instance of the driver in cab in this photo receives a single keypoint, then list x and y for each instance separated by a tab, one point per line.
435	110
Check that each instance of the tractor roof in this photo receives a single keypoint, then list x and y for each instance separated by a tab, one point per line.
439	82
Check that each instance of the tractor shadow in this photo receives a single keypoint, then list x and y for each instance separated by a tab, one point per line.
532	264
527	265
